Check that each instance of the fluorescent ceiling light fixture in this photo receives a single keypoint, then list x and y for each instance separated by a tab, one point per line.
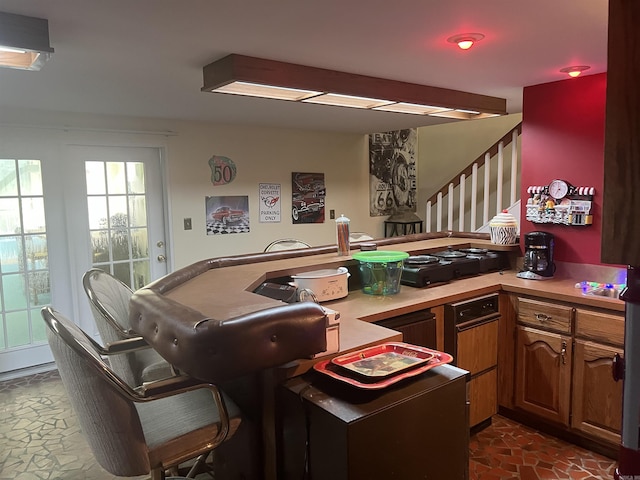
24	42
347	101
258	77
412	108
463	115
266	91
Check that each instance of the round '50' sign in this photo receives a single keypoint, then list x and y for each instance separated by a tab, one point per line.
223	170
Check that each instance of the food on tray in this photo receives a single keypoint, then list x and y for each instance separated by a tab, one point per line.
383	364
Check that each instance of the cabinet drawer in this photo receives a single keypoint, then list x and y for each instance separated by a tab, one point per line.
599	326
550	316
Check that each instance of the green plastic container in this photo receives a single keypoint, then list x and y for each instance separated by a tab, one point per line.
380	271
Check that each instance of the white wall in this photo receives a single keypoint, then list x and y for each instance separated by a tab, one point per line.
447	149
263	155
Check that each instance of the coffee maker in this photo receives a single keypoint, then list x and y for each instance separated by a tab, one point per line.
538	256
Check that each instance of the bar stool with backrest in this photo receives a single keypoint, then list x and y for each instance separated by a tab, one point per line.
137	431
109	301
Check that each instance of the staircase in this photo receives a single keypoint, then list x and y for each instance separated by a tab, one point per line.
487	186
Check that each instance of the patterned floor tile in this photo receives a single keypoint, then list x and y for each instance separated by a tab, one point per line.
40	439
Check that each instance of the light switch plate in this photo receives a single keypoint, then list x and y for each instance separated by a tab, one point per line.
187	224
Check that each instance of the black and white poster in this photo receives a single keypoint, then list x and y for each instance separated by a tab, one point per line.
392	171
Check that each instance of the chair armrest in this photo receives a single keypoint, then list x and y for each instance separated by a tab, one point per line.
124	346
169	386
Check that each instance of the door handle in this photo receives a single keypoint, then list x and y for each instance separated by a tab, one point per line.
162	258
563	352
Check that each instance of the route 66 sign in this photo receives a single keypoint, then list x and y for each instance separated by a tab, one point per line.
223	170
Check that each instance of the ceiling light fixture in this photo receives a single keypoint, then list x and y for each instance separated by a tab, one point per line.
257	77
575	70
465	40
24	42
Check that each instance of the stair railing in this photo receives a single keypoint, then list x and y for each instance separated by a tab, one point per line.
470	175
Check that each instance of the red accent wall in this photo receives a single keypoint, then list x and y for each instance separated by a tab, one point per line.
563	137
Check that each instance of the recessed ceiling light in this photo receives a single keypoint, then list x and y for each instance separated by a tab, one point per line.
575	70
465	40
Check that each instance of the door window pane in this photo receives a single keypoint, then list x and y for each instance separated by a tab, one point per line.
9	184
30	177
116	181
118	220
120	245
38	327
9	254
122	271
141	274
96	182
33	214
138	211
10	216
98	214
100	246
36	253
135	177
24	254
139	243
15	291
18	332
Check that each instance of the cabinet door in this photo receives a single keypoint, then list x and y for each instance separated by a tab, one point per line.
417	328
543	374
477	348
483	397
597	398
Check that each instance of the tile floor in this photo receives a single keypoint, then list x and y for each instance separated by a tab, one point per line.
41	440
508	450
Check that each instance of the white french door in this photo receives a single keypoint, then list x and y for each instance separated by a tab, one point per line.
63	210
120	228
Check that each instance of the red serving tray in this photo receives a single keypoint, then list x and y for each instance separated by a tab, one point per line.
381	361
332	368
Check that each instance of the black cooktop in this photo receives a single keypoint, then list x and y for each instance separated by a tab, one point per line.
447	265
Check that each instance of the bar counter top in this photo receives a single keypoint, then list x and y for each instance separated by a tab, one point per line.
227	291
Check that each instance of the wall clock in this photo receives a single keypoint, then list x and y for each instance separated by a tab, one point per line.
559	189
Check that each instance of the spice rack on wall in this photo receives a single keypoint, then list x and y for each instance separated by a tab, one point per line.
560	203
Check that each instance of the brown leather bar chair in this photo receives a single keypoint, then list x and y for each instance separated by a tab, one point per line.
137	431
109	301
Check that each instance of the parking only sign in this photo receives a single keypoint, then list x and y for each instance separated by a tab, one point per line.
270	202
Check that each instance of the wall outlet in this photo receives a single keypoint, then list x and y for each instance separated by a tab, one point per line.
332	214
187	224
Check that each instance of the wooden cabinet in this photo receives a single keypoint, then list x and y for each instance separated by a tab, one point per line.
597	399
562	373
418	328
543	374
477	352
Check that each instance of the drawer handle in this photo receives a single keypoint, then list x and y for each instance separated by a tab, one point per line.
563	352
542	317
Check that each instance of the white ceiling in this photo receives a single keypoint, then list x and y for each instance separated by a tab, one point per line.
144	58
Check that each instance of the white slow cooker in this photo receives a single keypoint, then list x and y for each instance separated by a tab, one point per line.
327	284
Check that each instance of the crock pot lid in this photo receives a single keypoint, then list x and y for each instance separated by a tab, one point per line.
327	272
